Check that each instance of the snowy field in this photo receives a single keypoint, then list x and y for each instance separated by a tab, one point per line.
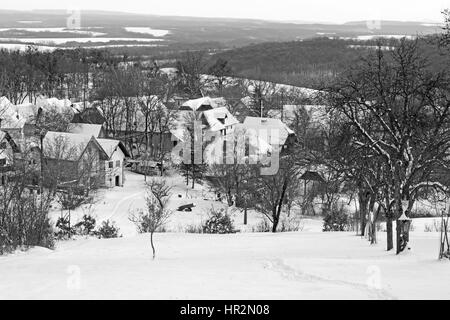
60	41
302	265
147	30
308	264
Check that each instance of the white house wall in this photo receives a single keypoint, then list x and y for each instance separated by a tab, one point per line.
111	174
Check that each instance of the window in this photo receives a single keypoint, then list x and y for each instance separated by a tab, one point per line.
111	164
118	163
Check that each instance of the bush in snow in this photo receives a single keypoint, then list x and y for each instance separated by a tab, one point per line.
86	226
24	218
263	226
107	230
434	227
335	220
219	221
192	228
65	230
291	223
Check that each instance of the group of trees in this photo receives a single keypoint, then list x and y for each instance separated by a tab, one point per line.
62	73
391	133
387	142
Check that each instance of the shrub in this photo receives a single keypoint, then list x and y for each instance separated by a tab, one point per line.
263	226
65	231
428	228
335	220
421	213
142	221
86	226
107	230
219	221
25	221
291	224
194	228
434	227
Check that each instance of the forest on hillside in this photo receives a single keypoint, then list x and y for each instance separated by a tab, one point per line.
312	63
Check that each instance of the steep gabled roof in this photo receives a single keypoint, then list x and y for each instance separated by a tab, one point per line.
85	128
68	146
89	115
110	146
219	118
5	137
10	118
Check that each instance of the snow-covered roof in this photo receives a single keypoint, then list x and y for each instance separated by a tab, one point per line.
64	145
219	118
15	116
55	104
178	133
110	146
27	111
11	119
195	104
272	129
85	128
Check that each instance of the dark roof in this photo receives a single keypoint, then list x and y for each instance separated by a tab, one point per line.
90	115
312	176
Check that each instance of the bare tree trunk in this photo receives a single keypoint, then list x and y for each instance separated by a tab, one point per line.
398	234
153	247
275	221
363	202
245	213
390	235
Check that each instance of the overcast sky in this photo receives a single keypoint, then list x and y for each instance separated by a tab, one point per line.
309	10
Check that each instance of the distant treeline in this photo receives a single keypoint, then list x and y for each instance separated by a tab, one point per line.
310	63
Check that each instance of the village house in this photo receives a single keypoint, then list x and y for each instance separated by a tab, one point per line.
7	150
274	131
212	113
84	159
114	167
202	104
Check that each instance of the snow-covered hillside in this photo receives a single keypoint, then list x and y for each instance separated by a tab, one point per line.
308	264
302	265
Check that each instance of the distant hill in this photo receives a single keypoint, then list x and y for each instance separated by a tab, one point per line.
309	63
227	32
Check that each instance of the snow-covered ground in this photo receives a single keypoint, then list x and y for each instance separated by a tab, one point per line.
57	29
118	203
299	265
147	30
61	41
308	264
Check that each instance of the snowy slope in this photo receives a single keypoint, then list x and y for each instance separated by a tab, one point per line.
304	265
308	264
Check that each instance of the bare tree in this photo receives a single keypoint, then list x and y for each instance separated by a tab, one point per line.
157	214
401	114
191	67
